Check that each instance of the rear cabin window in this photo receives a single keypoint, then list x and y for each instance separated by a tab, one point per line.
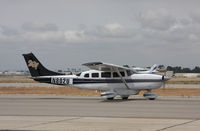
78	74
115	74
86	75
106	74
95	75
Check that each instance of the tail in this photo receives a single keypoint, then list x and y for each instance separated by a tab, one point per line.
36	68
150	71
153	68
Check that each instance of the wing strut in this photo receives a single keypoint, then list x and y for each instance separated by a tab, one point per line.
123	80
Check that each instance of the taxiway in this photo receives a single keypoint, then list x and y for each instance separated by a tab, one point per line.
50	112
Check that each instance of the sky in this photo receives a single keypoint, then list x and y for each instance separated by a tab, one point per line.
67	33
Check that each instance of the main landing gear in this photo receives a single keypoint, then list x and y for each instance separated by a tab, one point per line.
124	97
110	98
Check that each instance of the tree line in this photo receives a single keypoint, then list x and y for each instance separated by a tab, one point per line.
179	69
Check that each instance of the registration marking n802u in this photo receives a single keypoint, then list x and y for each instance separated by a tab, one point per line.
61	81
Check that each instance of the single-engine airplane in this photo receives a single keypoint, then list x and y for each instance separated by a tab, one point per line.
111	79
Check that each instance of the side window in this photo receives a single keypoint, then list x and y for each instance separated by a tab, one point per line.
95	74
106	74
115	74
122	73
86	75
78	74
129	73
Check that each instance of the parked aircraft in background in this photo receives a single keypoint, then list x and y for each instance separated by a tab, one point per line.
111	79
140	70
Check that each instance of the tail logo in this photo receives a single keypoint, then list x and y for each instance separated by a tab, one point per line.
33	64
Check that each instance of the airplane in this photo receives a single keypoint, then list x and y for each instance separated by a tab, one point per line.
140	70
110	79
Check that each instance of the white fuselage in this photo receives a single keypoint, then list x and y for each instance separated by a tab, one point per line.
94	80
142	81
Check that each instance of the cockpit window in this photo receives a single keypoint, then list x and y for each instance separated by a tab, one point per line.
129	73
106	74
122	73
95	74
86	75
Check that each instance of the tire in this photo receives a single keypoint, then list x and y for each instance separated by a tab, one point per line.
125	98
110	98
152	98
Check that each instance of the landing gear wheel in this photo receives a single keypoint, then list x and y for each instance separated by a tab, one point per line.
152	98
125	98
110	98
150	95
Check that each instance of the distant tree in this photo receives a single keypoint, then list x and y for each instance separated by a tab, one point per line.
169	68
161	66
179	69
196	69
186	70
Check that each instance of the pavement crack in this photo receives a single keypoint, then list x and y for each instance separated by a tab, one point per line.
177	125
50	122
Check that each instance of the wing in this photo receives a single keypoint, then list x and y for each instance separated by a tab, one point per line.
107	67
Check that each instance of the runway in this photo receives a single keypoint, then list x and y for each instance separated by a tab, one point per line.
52	109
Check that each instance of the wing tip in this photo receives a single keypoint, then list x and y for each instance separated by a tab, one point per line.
92	63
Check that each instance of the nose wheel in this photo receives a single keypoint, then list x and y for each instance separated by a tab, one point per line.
152	98
150	95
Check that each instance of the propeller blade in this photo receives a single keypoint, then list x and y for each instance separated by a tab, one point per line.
163	78
164	85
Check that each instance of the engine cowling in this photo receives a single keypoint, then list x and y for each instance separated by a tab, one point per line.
150	95
108	95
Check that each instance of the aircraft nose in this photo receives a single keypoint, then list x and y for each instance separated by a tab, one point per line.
165	78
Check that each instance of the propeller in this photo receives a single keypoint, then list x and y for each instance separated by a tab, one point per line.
163	79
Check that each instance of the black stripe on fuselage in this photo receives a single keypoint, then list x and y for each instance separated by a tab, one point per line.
88	81
96	81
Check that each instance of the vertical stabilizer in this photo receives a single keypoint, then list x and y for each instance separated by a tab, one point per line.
36	68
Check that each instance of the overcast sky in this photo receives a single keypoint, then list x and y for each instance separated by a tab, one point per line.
67	33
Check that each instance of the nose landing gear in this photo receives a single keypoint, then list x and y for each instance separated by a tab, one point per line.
150	95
